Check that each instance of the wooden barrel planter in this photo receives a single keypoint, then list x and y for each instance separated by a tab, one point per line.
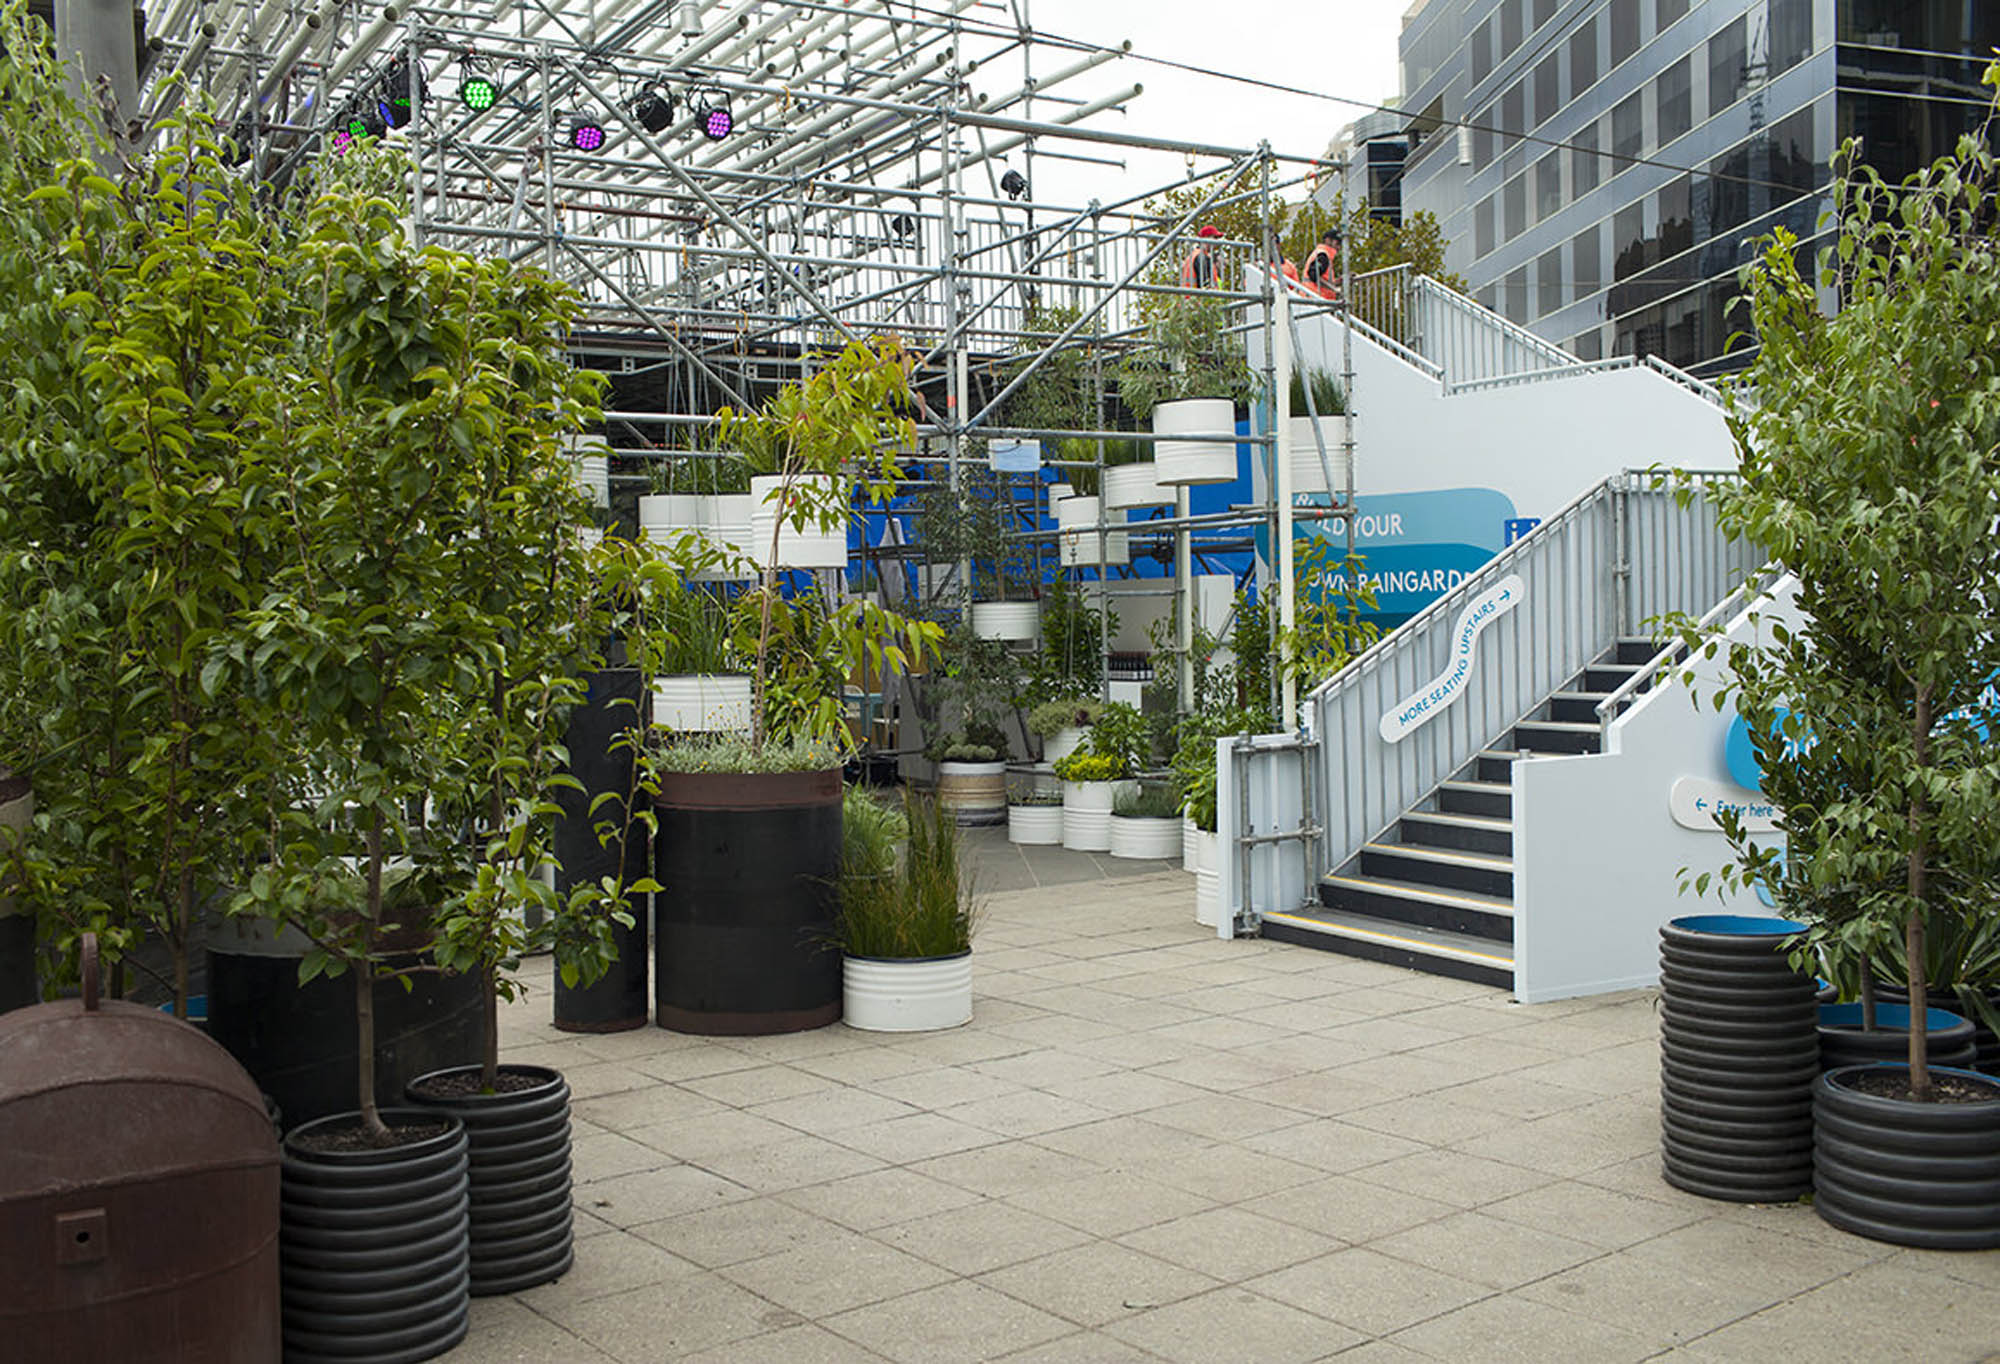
975	793
1738	1057
744	927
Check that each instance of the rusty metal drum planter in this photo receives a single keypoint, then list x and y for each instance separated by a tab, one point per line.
1911	1174
1738	1056
138	1192
519	1166
374	1244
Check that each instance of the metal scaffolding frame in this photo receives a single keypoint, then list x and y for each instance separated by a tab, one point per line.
860	191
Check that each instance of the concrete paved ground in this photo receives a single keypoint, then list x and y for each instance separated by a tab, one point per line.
1153	1145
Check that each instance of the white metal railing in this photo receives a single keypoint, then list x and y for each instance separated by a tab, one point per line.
1626	551
1471	342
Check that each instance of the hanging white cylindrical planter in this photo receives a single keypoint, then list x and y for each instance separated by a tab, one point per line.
593	478
1135	485
1077	519
1145	837
1036	824
705	703
1010	620
726	525
911	994
1057	492
808	548
1188	835
1207	880
1063	742
1307	476
1086	811
1188	461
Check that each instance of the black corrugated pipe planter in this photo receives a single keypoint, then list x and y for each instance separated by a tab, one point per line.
1912	1174
1738	1056
744	927
1844	1042
618	702
519	1168
372	1240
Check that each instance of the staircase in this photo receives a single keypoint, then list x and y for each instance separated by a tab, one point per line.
1435	893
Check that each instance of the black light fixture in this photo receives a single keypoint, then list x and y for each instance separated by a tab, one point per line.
654	108
1014	184
397	95
476	91
902	224
717	122
586	134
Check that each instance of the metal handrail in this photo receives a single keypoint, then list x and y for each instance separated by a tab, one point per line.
1749	589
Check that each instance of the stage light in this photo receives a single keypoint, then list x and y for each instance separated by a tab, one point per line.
586	135
478	93
395	99
1014	184
716	120
654	108
343	141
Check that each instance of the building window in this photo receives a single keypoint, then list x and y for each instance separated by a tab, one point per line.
1628	241
1514	295
1791	33
1587	345
1548	186
1624	29
1482	52
1793	164
1729	190
1676	100
1583	174
1482	140
1728	65
1486	298
1548	90
1545	10
1482	228
1667	12
1586	265
1549	282
1676	217
1514	207
1513	116
1510	28
1583	58
1628	130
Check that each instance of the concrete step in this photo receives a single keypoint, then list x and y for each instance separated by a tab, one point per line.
1490	917
1432	951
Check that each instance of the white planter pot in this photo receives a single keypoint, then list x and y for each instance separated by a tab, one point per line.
1086	811
1145	837
1306	474
1006	619
1135	485
720	520
1063	743
1038	824
1057	492
1076	517
975	793
1207	883
915	994
1188	853
1187	461
702	702
809	548
593	478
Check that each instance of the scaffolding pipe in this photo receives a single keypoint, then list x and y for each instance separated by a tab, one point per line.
363	47
1072	116
281	65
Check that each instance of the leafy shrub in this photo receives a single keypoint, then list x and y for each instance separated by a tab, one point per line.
925	908
1121	735
1153	800
1084	765
1052	717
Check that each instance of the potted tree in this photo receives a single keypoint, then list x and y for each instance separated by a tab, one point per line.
1868	474
749	826
905	924
1189	377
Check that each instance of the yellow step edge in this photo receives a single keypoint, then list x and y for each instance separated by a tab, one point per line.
1427	948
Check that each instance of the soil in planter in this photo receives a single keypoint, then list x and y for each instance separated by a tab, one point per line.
339	1138
1891	1082
465	1086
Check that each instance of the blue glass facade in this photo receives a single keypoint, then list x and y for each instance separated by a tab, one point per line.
1623	153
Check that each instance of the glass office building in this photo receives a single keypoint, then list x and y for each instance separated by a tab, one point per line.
1619	155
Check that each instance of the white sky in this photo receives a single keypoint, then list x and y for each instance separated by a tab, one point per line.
1334	47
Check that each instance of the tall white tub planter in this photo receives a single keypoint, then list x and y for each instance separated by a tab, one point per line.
907	994
1038	825
1207	879
1307	476
1086	815
1191	461
1190	855
812	547
702	703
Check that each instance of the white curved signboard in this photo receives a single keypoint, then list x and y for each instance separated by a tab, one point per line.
1423	705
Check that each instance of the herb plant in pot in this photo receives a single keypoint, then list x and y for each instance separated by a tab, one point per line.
1146	823
1190	377
906	929
748	836
1090	785
1308	474
1867	472
1035	817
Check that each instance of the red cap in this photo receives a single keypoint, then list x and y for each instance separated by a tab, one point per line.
1210	230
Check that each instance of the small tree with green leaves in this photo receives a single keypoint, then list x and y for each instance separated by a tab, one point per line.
1871	472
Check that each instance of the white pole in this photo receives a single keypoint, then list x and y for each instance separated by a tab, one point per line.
1281	473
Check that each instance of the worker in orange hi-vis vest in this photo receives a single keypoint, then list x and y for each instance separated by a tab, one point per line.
1198	270
1323	265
